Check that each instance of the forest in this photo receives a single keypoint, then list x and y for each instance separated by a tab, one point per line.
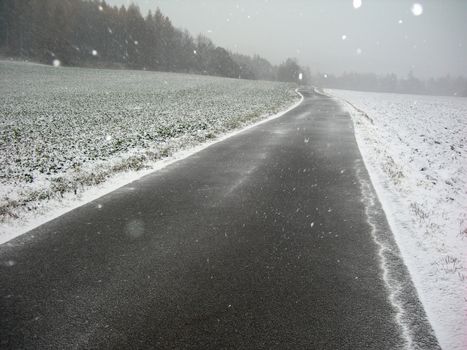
94	34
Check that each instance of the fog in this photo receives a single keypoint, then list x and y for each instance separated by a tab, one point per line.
332	36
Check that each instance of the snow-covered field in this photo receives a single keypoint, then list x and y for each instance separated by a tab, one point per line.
415	150
64	131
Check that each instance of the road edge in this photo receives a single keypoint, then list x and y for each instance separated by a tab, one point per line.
403	292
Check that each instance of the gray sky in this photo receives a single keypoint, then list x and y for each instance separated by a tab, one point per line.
381	36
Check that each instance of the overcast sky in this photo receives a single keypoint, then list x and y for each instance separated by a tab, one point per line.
332	36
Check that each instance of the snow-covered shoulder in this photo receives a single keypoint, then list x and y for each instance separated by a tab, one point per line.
414	150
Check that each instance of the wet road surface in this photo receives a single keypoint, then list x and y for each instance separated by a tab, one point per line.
261	241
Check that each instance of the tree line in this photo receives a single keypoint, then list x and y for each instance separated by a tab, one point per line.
448	85
95	34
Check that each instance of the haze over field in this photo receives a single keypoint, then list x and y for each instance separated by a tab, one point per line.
333	36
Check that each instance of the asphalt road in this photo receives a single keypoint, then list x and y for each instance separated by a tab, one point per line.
262	241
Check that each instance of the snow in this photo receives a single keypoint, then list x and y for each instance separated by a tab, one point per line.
357	4
417	9
71	135
414	150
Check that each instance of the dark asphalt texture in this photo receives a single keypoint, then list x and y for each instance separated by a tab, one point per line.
260	241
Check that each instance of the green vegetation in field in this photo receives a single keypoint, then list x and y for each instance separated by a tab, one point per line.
62	129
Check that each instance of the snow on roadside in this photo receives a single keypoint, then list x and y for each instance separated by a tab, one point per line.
414	150
70	135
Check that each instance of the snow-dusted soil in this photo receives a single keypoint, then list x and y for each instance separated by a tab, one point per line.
66	131
414	148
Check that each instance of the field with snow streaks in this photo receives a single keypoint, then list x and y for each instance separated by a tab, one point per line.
415	150
64	130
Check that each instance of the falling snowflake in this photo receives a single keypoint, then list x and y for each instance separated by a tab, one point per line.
417	9
135	228
359	51
108	137
325	76
100	8
9	263
344	37
136	42
357	4
300	76
94	52
312	224
400	21
56	63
